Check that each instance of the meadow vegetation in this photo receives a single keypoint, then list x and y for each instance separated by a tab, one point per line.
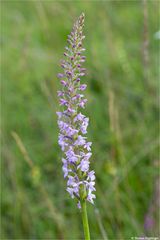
122	72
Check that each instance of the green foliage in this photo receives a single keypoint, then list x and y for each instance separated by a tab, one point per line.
122	106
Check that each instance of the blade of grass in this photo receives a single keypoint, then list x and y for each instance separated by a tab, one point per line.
57	217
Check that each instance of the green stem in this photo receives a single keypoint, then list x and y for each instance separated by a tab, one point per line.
85	220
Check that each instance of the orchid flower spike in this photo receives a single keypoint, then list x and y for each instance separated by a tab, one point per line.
72	123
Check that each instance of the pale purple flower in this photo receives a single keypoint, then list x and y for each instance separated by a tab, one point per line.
91	175
88	146
71	181
82	87
80	141
71	191
60	75
72	123
82	103
64	83
90	197
79	117
87	156
65	168
79	205
63	102
71	156
84	165
84	125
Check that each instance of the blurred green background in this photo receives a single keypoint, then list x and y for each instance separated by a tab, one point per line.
122	63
